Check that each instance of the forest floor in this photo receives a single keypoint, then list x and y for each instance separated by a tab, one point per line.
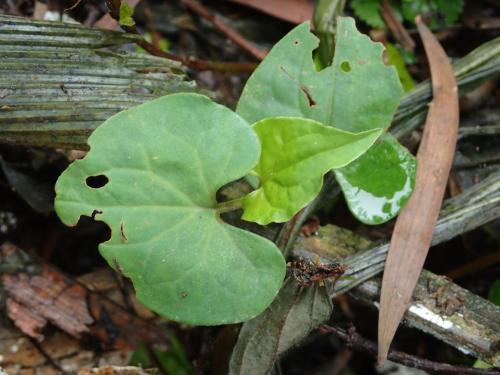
65	310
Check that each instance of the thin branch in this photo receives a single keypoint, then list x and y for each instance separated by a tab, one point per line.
220	25
114	11
358	342
77	2
396	27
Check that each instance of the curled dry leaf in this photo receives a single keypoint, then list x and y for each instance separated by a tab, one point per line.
414	227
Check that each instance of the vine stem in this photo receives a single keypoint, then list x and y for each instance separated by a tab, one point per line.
231	205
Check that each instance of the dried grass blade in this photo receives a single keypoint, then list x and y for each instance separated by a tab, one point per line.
412	234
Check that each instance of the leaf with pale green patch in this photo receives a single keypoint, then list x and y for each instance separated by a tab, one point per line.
377	198
160	166
295	155
357	92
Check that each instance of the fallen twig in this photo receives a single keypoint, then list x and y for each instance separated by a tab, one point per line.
396	27
232	34
197	64
358	342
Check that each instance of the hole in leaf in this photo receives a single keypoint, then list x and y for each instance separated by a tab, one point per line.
96	182
123	237
308	95
345	66
296	42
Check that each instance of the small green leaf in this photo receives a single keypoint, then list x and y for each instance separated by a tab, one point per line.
375	191
481	364
295	155
368	11
450	9
126	12
164	162
394	57
443	12
358	92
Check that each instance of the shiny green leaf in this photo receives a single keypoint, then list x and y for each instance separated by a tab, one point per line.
358	92
295	155
376	191
164	162
126	13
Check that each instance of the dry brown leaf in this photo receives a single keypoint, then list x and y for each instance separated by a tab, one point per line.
294	11
414	227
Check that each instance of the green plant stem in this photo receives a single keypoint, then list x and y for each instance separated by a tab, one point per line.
232	205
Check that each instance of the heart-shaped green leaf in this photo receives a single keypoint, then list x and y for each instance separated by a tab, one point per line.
295	155
164	162
357	92
377	196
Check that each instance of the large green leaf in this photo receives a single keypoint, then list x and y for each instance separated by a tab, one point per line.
374	196
356	93
164	161
295	155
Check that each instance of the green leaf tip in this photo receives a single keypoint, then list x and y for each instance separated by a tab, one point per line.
356	93
295	155
126	13
164	162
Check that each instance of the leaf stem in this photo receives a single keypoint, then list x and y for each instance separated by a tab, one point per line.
231	205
